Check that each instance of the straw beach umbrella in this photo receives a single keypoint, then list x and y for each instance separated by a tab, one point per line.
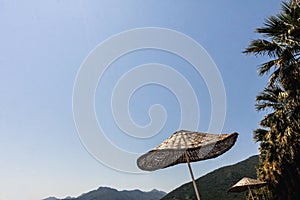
246	184
186	147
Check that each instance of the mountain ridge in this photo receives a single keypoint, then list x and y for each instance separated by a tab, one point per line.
103	192
214	185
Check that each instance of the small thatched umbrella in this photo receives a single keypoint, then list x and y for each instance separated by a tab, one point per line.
185	147
246	184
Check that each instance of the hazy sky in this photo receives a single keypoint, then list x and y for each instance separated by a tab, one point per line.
43	45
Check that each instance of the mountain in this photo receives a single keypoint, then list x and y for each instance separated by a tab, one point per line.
214	185
51	198
106	193
113	194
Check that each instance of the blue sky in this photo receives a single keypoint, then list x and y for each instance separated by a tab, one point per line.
44	43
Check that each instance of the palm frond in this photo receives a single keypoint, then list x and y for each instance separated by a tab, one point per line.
260	134
266	67
263	47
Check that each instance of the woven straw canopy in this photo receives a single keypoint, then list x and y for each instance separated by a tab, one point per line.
245	184
198	146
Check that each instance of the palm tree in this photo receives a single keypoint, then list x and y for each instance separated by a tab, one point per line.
279	145
279	136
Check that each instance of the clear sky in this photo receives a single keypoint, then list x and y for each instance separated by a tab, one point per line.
44	43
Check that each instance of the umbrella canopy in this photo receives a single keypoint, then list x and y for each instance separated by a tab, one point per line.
196	145
245	184
185	147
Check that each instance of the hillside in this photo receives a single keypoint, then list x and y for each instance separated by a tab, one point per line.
113	194
105	193
214	185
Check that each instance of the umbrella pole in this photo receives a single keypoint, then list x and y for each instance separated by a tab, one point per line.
250	193
192	175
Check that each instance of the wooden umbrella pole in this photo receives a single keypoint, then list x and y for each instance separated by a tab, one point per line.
250	193
192	175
